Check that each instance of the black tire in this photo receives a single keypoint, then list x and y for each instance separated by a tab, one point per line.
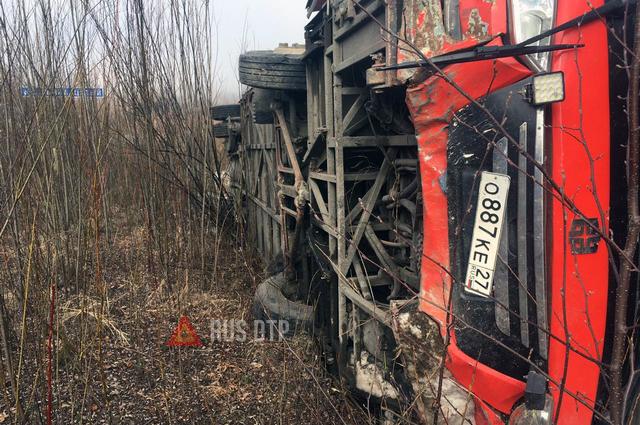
222	112
221	130
261	106
270	304
269	70
233	144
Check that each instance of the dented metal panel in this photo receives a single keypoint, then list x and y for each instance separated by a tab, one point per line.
424	25
432	105
434	31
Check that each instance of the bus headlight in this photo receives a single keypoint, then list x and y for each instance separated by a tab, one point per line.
529	18
525	415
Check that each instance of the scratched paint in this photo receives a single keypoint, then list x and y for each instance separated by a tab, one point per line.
477	27
423	25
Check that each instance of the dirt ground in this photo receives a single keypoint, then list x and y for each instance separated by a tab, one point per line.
134	377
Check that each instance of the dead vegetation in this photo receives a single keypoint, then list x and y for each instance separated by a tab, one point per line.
113	224
129	375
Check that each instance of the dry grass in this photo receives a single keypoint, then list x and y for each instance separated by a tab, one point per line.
129	375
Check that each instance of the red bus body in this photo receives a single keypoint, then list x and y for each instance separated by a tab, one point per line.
578	159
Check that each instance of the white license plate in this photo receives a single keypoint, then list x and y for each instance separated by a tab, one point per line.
492	200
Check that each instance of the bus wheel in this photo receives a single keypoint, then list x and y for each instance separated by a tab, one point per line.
271	305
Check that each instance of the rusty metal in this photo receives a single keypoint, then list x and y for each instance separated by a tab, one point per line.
301	193
356	189
374	76
286	134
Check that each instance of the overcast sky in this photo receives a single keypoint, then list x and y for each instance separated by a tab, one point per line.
239	24
267	23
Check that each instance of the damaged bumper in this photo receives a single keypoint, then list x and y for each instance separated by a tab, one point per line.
496	342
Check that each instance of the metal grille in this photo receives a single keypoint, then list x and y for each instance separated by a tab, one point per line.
516	316
527	276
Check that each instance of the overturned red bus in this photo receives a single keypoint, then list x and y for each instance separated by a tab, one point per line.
440	188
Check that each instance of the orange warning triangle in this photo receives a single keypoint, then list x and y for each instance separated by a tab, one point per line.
184	335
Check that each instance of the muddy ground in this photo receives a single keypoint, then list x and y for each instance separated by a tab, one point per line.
130	375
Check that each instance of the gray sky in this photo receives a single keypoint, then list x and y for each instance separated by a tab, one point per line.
239	25
267	23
